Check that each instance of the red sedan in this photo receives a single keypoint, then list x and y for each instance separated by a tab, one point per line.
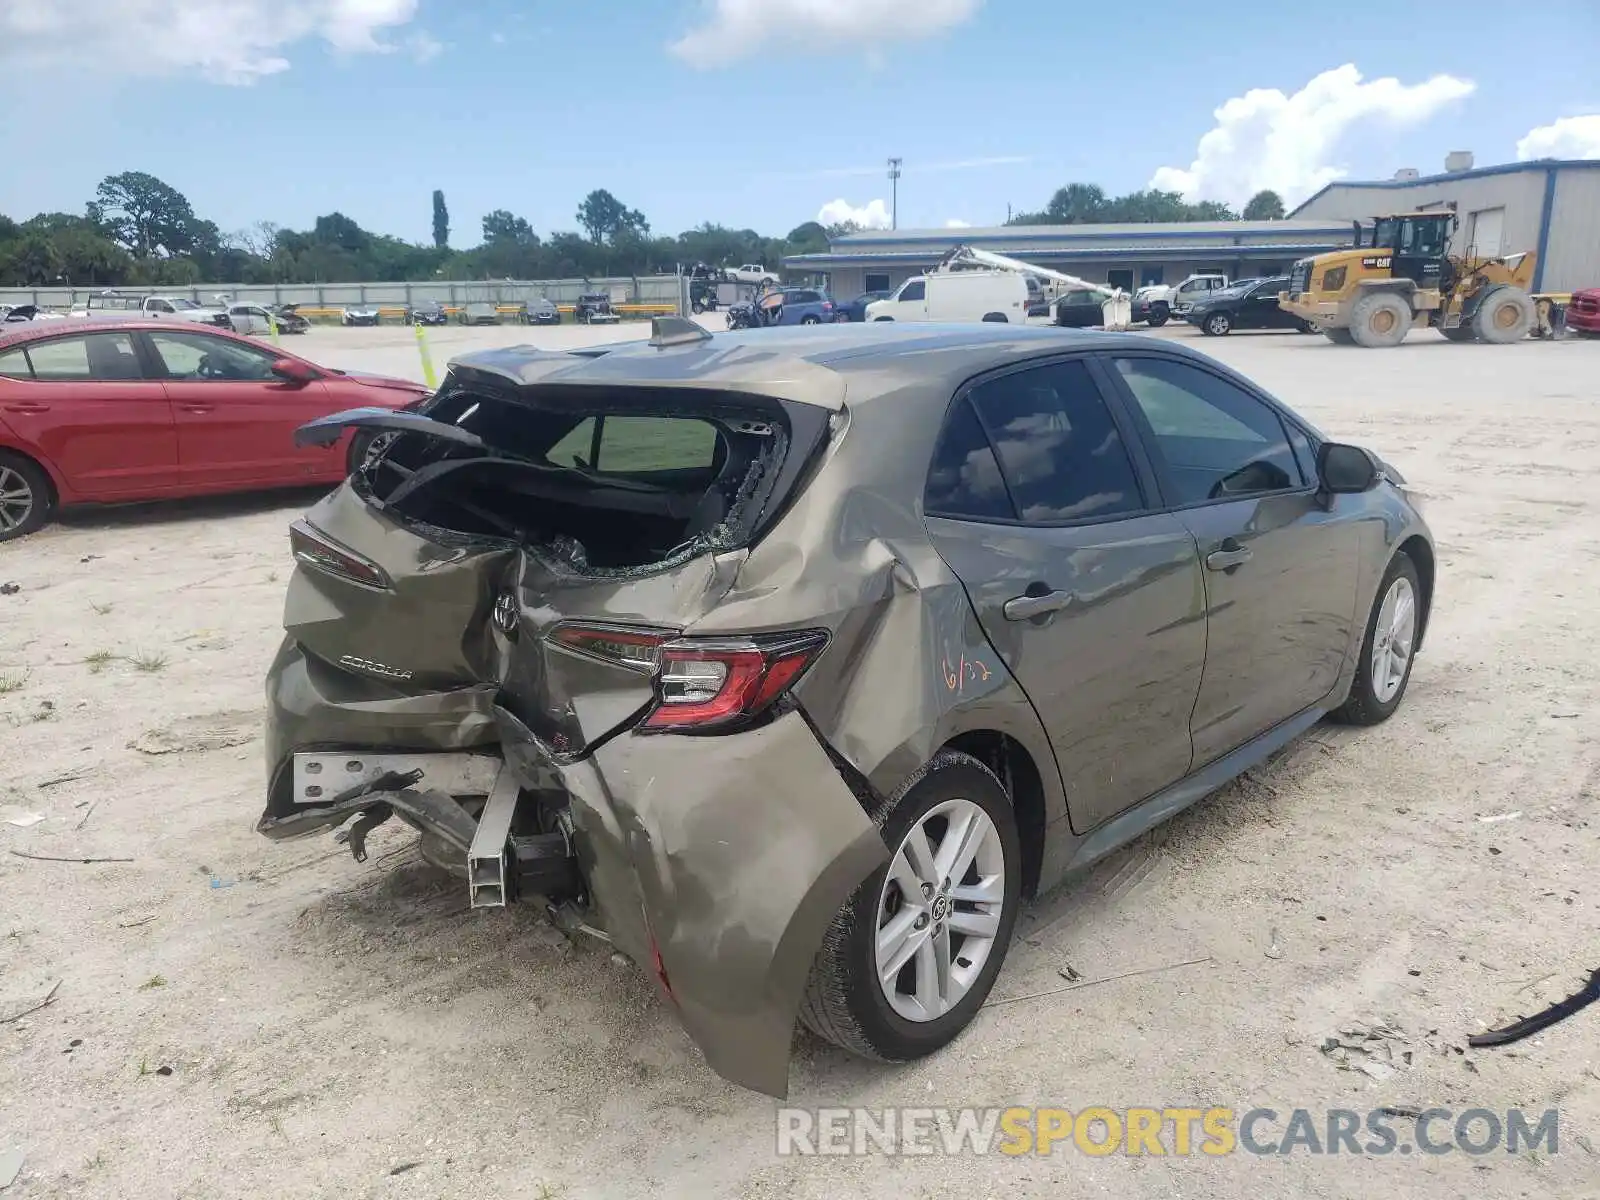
102	411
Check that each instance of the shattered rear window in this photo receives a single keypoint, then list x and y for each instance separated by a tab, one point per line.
569	477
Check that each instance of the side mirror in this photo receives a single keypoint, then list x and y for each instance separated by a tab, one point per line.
1343	469
291	371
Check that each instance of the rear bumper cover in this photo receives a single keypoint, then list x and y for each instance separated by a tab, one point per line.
727	856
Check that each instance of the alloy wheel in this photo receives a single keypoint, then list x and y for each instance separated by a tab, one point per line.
1392	639
939	910
16	499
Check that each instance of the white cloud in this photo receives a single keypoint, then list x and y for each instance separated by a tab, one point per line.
1265	139
1566	137
957	223
733	30
874	214
225	41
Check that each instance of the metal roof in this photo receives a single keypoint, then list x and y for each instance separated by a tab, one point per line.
1176	231
912	258
1535	164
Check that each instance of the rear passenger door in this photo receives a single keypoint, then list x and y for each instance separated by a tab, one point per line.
1280	570
1040	503
84	402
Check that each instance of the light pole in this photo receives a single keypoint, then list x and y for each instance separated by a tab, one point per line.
894	193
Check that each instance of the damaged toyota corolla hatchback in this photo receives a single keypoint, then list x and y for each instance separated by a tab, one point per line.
793	664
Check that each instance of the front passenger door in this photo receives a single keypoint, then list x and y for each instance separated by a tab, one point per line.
1092	600
235	418
1280	575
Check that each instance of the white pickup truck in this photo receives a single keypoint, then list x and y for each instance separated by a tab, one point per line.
111	303
750	273
1178	299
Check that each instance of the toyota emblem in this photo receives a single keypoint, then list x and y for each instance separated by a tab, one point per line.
505	614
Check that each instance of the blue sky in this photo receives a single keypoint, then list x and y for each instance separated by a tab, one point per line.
760	112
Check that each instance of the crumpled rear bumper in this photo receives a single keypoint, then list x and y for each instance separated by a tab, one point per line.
715	863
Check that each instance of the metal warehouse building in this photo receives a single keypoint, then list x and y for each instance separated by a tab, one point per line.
1125	256
1549	205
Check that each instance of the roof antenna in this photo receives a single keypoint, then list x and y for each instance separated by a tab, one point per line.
676	331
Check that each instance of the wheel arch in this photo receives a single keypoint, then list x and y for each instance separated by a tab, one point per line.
60	492
1019	774
1417	549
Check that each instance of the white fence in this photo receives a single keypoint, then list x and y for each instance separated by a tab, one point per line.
643	289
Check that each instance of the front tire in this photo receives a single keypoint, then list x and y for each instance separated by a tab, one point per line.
27	498
1388	649
1218	325
810	320
1506	315
911	957
1380	321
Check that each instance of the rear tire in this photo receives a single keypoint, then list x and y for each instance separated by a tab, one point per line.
27	497
1339	337
883	318
1374	695
844	1000
810	320
1505	316
1380	321
995	318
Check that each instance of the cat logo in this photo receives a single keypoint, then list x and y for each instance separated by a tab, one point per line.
1376	260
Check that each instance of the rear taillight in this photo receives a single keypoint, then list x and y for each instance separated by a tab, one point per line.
317	550
702	684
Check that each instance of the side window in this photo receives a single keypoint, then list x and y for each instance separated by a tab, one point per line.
964	479
98	356
194	357
14	364
913	291
1218	442
1061	453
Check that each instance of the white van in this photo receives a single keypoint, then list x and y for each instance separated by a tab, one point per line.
957	296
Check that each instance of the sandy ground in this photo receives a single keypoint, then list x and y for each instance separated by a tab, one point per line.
240	1018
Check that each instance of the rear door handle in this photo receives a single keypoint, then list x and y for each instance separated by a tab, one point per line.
30	410
1228	555
1026	608
197	408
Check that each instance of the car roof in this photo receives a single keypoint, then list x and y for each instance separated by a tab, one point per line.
817	365
32	331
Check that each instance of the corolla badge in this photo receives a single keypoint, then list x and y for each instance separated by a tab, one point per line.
505	614
373	668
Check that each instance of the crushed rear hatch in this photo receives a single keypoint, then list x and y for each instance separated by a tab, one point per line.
522	537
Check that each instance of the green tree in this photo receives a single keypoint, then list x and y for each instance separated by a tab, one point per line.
441	221
603	217
1265	205
143	214
503	228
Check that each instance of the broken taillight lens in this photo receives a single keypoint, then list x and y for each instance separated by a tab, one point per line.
315	549
703	684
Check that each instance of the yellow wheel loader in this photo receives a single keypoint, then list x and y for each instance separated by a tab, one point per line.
1403	277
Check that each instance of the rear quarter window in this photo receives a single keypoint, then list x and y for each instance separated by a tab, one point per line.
14	364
